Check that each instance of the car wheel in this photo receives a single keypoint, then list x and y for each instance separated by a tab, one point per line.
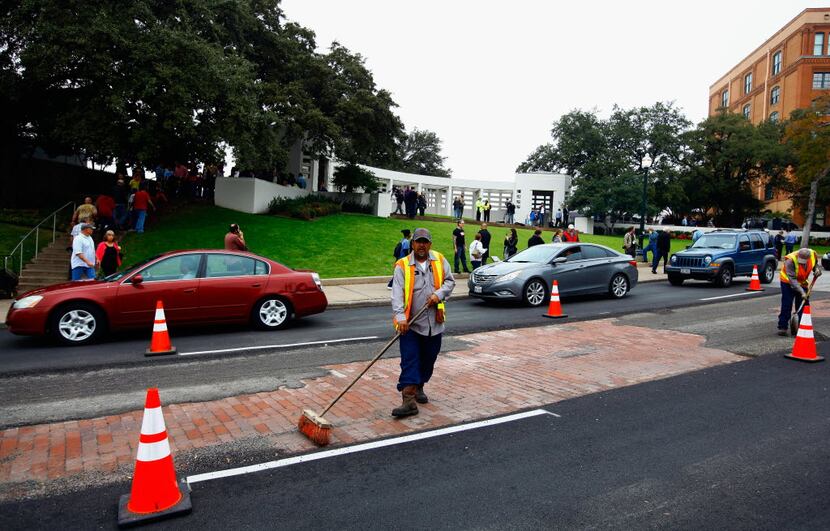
675	279
724	278
271	313
769	273
77	324
535	292
619	286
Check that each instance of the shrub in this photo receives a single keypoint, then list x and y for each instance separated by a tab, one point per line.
306	207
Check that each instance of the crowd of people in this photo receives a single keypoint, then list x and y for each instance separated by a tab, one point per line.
409	202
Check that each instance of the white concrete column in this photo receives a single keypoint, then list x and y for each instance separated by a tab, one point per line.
449	200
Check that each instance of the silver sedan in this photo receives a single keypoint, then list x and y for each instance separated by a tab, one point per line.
579	269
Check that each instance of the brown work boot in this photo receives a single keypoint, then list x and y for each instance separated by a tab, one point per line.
420	396
408	406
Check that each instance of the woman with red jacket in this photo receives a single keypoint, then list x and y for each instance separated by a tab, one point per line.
108	254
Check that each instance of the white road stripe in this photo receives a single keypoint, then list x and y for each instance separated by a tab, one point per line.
262	347
362	447
732	295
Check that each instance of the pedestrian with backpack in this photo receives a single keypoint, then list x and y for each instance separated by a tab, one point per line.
401	249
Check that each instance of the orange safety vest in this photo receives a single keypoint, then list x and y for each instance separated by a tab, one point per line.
409	283
801	272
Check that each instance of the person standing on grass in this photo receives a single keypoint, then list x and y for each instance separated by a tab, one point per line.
510	212
422	204
120	193
460	246
402	249
477	251
485	242
557	236
558	218
235	239
423	278
570	235
511	244
141	201
108	254
458	208
398	195
536	239
83	254
479	209
487	207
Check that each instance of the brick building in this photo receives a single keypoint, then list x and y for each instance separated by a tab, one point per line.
788	71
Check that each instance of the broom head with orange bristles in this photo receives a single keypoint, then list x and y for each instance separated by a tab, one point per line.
314	427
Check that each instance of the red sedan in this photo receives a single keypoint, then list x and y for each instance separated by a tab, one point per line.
200	286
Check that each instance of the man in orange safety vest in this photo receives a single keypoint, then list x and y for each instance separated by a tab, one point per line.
423	277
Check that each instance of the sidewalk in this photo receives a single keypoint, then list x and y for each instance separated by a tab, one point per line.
491	374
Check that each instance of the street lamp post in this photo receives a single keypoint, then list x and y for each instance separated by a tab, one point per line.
646	164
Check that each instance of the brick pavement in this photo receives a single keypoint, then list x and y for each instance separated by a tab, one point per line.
500	372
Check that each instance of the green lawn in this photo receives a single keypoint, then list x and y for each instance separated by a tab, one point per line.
343	245
10	235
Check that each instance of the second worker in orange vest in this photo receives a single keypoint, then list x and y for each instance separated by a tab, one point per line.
422	277
795	270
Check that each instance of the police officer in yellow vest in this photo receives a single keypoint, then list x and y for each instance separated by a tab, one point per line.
423	277
795	270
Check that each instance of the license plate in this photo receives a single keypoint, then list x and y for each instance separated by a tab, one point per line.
477	289
685	271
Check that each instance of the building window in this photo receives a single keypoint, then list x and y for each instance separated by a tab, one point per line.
821	80
774	95
724	99
746	111
776	63
773	118
769	192
748	83
818	44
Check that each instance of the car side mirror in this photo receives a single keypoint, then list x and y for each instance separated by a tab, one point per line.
560	260
688	247
138	279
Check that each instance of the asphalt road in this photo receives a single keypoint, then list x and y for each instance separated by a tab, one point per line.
739	446
27	355
43	383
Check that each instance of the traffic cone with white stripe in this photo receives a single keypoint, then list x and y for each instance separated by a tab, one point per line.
804	348
155	493
160	342
554	308
755	281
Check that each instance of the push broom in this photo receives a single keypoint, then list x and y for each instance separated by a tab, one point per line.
318	429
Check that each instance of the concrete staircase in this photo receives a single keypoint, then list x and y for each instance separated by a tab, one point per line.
50	267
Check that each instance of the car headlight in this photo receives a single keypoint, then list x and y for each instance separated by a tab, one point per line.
27	302
673	259
508	276
707	260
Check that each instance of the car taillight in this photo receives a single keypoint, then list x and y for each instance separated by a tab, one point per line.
316	278
633	263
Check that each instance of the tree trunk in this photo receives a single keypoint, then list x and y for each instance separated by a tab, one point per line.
811	207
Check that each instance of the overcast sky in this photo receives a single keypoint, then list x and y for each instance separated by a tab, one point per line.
490	77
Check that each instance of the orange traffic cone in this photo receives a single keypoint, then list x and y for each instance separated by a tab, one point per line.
155	493
804	348
160	343
554	308
755	281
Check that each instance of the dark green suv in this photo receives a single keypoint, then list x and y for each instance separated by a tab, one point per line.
721	255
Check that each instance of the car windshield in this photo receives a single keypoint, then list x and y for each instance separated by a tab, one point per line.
537	254
715	241
118	275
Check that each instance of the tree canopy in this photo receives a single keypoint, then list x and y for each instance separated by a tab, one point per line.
157	81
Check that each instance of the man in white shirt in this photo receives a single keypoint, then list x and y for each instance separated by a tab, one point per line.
83	254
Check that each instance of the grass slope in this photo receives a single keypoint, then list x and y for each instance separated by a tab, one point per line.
343	245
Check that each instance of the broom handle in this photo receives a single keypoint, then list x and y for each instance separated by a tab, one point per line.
369	365
807	295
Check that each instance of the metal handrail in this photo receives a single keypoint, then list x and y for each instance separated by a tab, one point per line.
36	230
